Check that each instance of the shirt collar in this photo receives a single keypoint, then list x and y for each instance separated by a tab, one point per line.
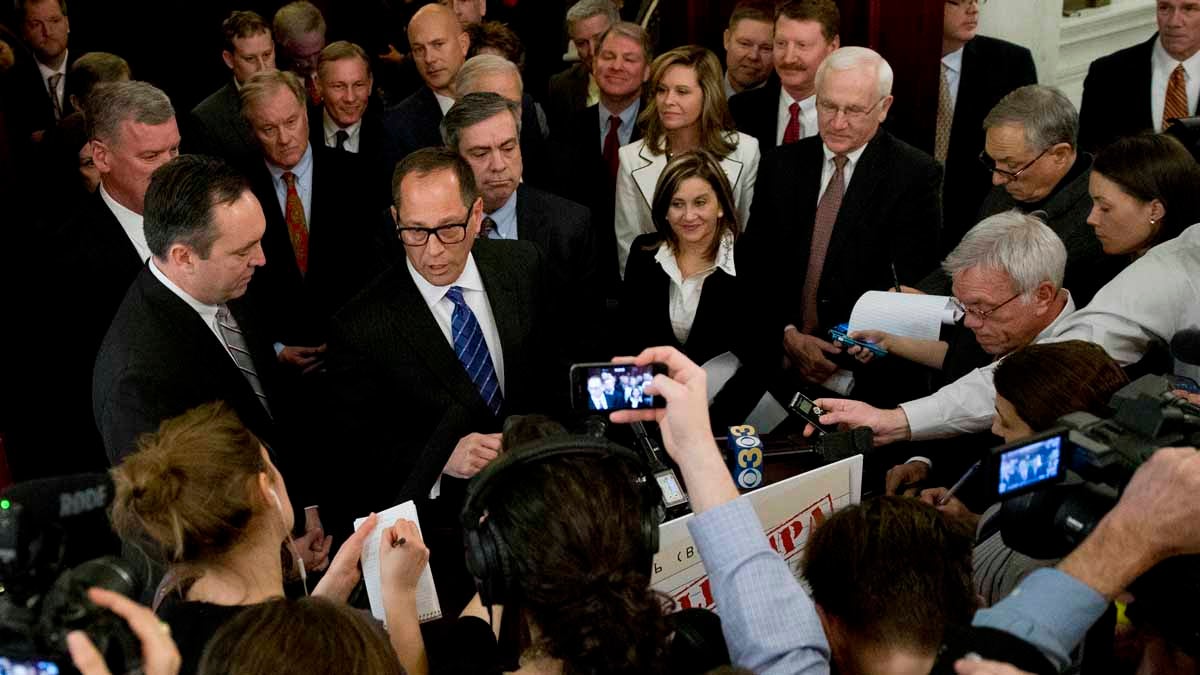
505	217
331	127
47	71
1166	63
1067	310
724	260
953	60
206	311
628	115
469	280
853	155
125	216
444	102
303	168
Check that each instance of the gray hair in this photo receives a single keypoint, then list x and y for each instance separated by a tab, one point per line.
632	31
262	85
1047	116
295	19
109	105
481	65
1020	245
850	58
473	109
586	9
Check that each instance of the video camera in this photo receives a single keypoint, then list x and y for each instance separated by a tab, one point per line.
1056	487
49	529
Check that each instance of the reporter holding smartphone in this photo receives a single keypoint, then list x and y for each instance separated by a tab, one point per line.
681	287
772	626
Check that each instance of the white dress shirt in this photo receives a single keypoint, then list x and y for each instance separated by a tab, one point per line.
476	298
953	63
808	116
628	121
444	102
331	128
505	218
1148	302
966	405
130	222
829	167
208	313
599	402
60	91
1162	65
685	293
304	177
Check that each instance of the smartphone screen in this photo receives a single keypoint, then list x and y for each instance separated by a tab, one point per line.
602	387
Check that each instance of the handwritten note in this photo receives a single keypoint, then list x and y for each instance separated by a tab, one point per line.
907	314
428	607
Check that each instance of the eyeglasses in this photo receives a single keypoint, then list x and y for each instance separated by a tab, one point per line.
981	314
419	236
966	3
990	165
851	113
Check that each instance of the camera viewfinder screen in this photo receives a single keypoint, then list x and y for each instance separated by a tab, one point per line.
1030	464
619	387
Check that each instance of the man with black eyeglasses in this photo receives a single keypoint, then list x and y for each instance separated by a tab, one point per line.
425	364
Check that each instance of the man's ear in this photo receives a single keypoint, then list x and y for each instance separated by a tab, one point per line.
100	156
227	58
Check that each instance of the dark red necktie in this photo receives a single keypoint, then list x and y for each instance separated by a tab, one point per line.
612	142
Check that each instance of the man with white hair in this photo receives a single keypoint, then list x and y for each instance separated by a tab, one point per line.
836	214
1007	274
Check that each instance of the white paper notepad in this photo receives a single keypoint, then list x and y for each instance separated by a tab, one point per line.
907	314
428	607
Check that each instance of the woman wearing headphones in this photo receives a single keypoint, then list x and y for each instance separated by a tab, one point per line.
203	493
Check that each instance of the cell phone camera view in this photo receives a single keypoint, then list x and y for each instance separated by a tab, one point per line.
603	387
1030	464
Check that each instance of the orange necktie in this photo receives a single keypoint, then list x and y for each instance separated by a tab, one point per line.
1176	104
297	228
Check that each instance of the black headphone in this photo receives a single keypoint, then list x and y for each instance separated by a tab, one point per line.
487	554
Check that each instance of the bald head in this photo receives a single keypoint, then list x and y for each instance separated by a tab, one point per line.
439	46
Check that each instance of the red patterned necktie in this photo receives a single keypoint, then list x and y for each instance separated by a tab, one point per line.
612	142
297	227
791	133
827	213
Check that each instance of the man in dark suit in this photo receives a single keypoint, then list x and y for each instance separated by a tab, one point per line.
216	126
584	150
482	129
42	92
321	230
1142	87
784	110
977	72
102	247
184	335
349	117
574	89
447	339
439	48
833	215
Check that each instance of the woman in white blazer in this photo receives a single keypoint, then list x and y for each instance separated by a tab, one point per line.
687	110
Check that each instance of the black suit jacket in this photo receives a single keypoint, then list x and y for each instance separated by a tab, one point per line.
756	112
31	107
646	322
159	360
581	176
562	230
372	149
567	93
397	398
216	128
890	214
348	245
991	69
1116	96
412	125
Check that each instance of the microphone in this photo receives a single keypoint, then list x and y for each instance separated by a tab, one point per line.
672	492
838	445
1185	346
77	504
745	456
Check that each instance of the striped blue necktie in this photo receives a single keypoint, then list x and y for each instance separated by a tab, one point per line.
472	350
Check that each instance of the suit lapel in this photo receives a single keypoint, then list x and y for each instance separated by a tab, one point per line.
507	310
858	194
733	170
968	88
528	220
646	175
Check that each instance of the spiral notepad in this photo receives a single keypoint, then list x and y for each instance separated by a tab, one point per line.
428	607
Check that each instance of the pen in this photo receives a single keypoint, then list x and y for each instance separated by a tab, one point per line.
895	277
961	481
399	542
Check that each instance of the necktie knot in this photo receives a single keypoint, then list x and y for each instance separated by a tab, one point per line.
614	122
455	294
289	179
341	137
489	226
794	108
223	314
839	161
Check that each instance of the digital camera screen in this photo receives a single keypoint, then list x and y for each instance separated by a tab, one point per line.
1030	464
21	667
619	387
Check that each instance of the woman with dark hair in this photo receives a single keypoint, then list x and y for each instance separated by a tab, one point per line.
576	568
1144	192
203	493
680	286
686	111
314	635
1035	385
